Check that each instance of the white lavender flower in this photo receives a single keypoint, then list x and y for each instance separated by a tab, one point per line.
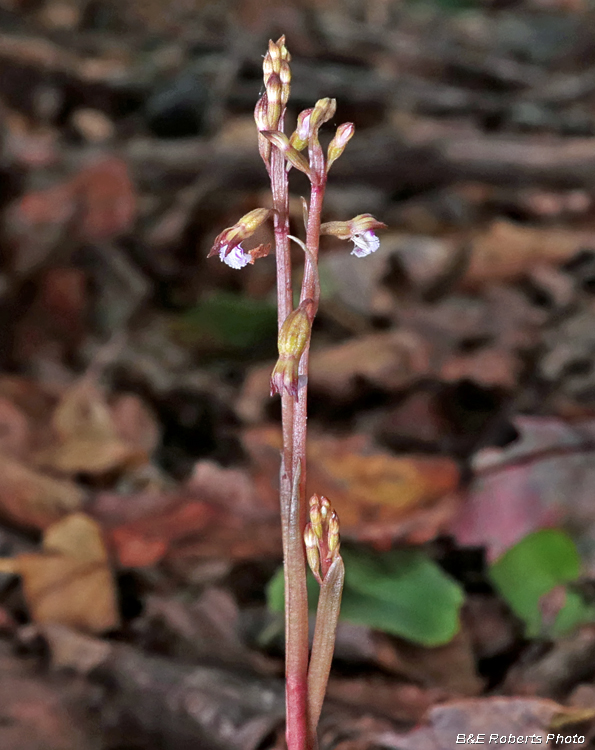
237	258
365	243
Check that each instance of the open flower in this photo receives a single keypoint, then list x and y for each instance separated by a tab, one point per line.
227	244
365	243
237	257
360	230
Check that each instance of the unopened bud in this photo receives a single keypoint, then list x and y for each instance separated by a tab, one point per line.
323	111
260	113
274	100
285	77
293	338
333	534
275	54
321	537
316	516
312	552
295	331
281	141
268	67
337	145
299	138
283	49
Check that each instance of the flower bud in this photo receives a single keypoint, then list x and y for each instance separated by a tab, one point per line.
323	111
293	156
260	113
333	535
275	54
299	138
337	145
274	100
285	78
283	49
268	68
321	537
316	516
312	552
293	338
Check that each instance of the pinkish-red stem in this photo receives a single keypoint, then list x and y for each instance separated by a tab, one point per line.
309	290
296	599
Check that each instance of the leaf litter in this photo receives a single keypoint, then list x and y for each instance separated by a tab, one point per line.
452	380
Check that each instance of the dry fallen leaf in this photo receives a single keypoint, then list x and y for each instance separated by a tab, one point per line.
506	251
219	513
491	717
543	479
32	499
99	200
146	541
390	360
89	440
379	496
14	429
70	581
40	712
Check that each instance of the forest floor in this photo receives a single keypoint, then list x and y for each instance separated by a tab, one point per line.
452	407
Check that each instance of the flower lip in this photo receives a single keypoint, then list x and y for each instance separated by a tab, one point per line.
237	257
365	243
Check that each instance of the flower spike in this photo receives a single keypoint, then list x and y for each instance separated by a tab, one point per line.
321	537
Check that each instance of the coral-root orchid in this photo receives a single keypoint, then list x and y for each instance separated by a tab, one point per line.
313	533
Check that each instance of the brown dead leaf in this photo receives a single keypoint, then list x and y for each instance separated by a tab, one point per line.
488	367
499	717
542	479
506	251
450	668
398	700
70	581
391	360
106	199
378	496
98	202
219	513
40	712
146	541
34	500
134	423
88	439
14	429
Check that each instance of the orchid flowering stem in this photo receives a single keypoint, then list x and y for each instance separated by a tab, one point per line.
309	532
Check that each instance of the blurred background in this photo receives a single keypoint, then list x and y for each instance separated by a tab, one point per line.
452	385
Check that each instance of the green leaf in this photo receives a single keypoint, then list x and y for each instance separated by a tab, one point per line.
230	321
532	568
402	592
